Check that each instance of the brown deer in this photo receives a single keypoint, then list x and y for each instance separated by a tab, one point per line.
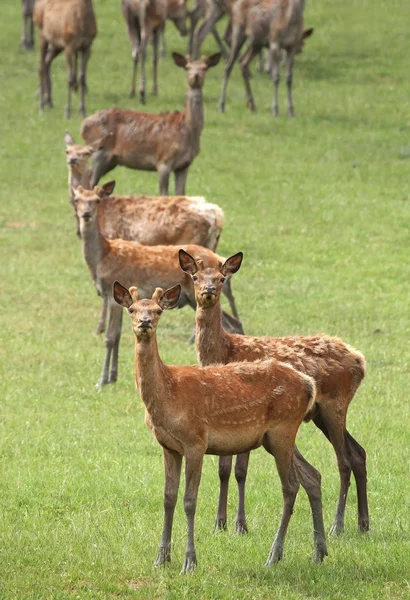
276	23
79	173
163	142
68	26
337	369
146	19
144	266
27	37
229	409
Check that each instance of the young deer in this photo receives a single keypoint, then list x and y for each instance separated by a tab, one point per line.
337	369
27	37
276	23
157	220
68	26
193	411
78	171
145	266
163	142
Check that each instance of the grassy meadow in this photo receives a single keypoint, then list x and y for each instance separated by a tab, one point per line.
320	206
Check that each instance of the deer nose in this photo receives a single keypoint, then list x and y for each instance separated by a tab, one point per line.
210	289
145	323
73	161
87	216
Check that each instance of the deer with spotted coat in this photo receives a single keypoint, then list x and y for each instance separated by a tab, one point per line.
336	367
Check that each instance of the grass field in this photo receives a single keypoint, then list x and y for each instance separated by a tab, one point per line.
320	206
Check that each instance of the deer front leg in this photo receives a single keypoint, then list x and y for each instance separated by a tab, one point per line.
71	61
225	467
155	44
238	40
357	459
42	72
193	469
241	471
207	26
180	181
52	52
172	464
101	323
275	58
85	55
143	51
115	351
163	174
289	61
245	60
113	333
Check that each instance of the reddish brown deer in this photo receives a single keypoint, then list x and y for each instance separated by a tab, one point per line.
68	26
27	37
274	23
337	369
144	266
153	142
150	220
193	411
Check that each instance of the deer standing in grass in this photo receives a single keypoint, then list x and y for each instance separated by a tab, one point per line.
229	409
276	23
68	26
135	264
27	37
337	369
163	142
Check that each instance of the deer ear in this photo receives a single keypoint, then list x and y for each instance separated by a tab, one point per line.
187	262
213	60
232	264
68	139
307	33
170	298
121	295
179	60
107	189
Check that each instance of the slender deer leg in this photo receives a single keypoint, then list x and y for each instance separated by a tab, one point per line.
238	40
207	26
241	471
231	324
71	60
85	55
172	464
143	51
227	291
114	323
163	174
219	42
51	54
193	468
357	459
278	444
42	71
155	43
135	38
289	61
250	53
163	44
275	58
310	479
194	18
180	181
116	346
225	467
103	317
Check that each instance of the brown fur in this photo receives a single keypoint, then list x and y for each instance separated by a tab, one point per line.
193	411
68	26
152	142
336	367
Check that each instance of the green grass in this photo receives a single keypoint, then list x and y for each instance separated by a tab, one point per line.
320	205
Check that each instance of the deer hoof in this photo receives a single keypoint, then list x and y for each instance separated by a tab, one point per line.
275	555
221	107
220	525
337	528
320	552
241	527
190	563
363	525
163	556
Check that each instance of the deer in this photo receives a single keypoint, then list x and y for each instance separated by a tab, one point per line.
153	142
336	367
219	410
79	173
154	220
27	36
274	23
145	19
144	266
70	27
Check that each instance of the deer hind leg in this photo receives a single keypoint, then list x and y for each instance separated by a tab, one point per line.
207	26
357	458
193	469
52	52
42	72
289	62
225	467
219	42
143	51
310	479
113	333
115	350
155	44
85	55
172	464
180	181
334	429
238	40
245	60
71	61
134	33
275	57
163	174
241	471
103	317
280	444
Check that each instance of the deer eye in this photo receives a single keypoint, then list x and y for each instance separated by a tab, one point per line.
159	312
195	278
131	311
223	279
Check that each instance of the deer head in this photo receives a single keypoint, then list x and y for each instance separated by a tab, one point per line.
208	281
145	314
196	69
86	201
76	156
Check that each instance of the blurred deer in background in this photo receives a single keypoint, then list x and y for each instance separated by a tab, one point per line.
165	142
27	37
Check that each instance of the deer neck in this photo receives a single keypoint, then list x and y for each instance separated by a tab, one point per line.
76	178
150	377
194	111
211	340
95	246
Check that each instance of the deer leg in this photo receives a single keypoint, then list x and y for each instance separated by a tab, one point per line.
113	331
250	53
275	58
71	62
155	43
219	42
357	459
162	42
238	40
180	180
310	479
52	52
163	173
42	71
230	324
115	351
172	464
135	38
227	291
143	50
278	444
241	471
207	26
193	468
225	467
289	61
101	323
85	55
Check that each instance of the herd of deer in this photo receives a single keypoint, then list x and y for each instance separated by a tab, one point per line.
248	391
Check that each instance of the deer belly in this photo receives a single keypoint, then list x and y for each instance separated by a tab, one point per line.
233	441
